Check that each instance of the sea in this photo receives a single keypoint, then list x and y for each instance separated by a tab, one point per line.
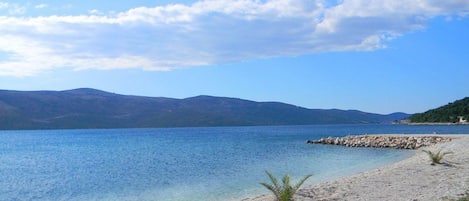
182	164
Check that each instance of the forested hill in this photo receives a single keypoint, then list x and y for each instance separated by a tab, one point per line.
90	108
445	114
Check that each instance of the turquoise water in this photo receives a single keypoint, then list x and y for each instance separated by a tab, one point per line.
180	163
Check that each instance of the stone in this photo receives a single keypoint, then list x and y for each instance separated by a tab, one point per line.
398	142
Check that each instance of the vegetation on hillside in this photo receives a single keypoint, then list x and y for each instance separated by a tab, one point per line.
448	113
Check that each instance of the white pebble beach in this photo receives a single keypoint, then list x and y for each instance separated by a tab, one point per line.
412	179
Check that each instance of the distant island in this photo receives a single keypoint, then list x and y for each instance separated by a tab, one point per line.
456	112
91	108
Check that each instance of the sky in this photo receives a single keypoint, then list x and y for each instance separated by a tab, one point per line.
379	56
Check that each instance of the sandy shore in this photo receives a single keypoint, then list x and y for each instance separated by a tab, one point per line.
412	179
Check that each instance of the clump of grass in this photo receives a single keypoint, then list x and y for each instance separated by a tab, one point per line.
285	191
436	157
465	198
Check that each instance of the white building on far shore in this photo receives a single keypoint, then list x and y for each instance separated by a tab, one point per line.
462	120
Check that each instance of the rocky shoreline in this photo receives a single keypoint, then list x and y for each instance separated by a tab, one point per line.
383	141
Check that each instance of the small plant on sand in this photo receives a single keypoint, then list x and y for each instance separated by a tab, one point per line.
465	198
436	157
285	191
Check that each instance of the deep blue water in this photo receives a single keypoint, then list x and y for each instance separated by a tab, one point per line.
180	163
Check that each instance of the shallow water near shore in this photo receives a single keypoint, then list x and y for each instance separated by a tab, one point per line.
225	163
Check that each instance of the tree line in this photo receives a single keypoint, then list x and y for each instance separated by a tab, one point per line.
448	113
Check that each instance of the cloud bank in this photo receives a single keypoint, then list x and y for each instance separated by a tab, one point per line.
207	32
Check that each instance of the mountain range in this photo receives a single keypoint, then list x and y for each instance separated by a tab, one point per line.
91	108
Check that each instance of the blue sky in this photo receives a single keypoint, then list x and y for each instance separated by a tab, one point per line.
376	56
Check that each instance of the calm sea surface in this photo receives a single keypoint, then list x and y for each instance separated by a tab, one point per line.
183	164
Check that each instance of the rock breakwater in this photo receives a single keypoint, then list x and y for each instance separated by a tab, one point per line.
383	141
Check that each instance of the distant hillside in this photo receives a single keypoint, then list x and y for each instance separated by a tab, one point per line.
448	113
90	108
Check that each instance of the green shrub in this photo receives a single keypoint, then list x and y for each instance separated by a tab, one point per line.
285	191
458	199
436	157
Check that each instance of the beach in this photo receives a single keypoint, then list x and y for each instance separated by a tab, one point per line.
412	179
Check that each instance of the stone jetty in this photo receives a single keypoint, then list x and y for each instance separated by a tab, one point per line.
383	141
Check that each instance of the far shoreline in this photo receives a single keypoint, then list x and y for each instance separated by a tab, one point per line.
410	179
436	124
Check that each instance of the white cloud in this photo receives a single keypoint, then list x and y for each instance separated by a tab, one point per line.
208	32
3	5
95	12
13	9
17	10
40	6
